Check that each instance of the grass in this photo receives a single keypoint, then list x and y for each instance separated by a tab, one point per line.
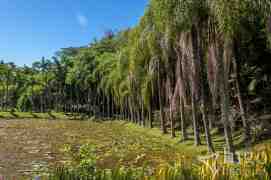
32	115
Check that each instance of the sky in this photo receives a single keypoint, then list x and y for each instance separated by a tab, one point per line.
31	29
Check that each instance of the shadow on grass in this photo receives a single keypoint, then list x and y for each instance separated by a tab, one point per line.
14	114
51	115
239	142
189	142
34	115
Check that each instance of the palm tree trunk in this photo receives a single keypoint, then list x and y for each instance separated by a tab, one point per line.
108	106
195	121
183	126
143	114
7	93
212	116
172	123
150	115
127	109
160	93
112	107
247	135
131	110
225	104
182	94
95	105
206	124
2	100
89	102
194	84
41	103
170	98
32	100
225	117
200	56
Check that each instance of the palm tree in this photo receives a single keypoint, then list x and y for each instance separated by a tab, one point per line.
228	16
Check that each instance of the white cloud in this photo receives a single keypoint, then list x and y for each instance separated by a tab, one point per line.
82	20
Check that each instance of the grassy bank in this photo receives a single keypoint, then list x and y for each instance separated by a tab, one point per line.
32	115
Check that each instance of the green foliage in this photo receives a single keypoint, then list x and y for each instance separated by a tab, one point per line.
24	103
254	165
85	159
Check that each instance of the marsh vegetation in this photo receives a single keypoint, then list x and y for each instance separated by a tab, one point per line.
33	146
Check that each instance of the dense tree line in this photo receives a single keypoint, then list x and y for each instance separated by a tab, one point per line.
202	64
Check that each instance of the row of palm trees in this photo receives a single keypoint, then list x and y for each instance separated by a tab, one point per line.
185	64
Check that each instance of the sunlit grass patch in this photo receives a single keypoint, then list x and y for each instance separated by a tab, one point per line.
32	115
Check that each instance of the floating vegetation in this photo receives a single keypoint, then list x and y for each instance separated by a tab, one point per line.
29	147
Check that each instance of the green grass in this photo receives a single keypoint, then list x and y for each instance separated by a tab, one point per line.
32	115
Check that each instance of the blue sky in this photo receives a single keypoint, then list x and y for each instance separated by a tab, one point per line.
30	29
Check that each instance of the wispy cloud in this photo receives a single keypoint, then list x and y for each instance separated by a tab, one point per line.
82	20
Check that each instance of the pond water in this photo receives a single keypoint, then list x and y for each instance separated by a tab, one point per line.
28	147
